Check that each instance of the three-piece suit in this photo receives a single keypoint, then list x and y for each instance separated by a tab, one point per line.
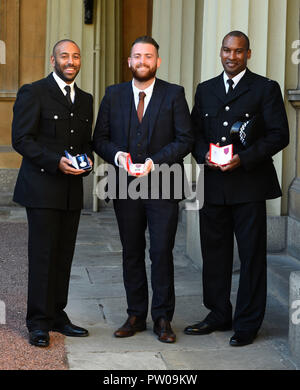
165	136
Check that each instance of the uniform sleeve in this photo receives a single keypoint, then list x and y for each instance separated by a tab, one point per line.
88	148
201	146
276	130
25	129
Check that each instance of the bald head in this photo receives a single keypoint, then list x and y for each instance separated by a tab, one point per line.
66	60
62	41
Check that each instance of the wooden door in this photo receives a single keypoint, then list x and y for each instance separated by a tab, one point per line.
22	37
136	21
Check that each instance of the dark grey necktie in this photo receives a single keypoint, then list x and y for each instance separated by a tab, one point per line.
230	89
68	95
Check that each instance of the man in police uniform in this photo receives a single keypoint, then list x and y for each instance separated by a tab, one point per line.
50	116
235	194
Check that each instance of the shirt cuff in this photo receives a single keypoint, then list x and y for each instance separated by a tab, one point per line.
116	159
153	167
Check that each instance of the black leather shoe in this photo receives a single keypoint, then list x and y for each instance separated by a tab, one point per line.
162	328
241	338
132	325
204	327
39	338
71	330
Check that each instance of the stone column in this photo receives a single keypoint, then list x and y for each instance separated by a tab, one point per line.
294	316
293	159
293	237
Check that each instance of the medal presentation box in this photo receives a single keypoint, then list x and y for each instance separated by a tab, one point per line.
220	155
134	169
79	162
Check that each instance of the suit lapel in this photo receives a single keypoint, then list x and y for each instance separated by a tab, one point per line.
157	97
126	100
218	88
126	97
77	98
55	91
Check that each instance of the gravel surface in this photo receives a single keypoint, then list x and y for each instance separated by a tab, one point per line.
15	351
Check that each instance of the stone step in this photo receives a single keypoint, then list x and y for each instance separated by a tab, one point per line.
284	287
280	267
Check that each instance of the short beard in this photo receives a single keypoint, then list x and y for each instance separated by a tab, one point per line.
150	75
61	75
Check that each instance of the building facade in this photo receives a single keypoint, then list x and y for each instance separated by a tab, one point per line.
189	33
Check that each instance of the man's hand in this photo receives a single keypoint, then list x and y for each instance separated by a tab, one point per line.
209	164
90	162
147	168
65	165
122	160
234	163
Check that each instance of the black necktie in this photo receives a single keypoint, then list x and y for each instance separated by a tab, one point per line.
140	107
68	95
230	89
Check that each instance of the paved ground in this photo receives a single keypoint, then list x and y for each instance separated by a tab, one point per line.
15	351
97	302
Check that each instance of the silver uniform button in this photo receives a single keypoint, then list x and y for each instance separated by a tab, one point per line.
225	123
42	170
72	114
55	116
72	131
71	147
227	108
223	139
206	114
247	115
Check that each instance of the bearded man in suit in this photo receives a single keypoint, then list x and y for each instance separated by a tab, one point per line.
50	116
235	194
149	119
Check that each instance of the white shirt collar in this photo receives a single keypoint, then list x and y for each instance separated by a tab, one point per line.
61	83
235	79
148	91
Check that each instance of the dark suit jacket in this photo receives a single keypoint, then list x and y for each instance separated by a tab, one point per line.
44	126
170	135
213	115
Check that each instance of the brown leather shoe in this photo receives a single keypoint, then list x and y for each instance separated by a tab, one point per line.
162	328
132	325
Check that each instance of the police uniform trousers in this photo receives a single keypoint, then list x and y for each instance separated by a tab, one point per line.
218	224
51	243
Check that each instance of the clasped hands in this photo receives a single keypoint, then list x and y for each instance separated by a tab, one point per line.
65	165
234	163
122	160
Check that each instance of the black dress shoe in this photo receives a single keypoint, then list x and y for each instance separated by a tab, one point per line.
71	330
39	338
162	328
241	338
132	325
204	327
